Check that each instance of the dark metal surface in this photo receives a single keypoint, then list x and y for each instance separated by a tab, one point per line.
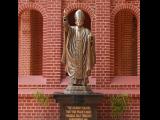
87	100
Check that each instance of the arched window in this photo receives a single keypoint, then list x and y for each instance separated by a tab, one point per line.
30	43
125	39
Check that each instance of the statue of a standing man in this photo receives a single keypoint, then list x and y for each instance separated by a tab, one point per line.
78	50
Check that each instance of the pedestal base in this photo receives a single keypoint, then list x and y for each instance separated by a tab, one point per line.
78	107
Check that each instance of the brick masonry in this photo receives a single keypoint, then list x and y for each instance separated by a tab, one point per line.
47	74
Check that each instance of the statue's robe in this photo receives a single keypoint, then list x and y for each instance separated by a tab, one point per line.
78	53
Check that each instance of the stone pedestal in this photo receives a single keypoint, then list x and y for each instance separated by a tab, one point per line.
78	106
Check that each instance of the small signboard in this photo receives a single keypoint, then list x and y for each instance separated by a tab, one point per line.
78	113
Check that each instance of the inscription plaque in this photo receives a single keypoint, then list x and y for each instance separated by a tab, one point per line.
78	113
78	107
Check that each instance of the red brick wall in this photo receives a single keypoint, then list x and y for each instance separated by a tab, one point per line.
51	68
30	43
102	42
131	111
125	44
29	108
133	6
102	14
24	43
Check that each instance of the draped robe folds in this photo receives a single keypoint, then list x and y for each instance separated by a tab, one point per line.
78	53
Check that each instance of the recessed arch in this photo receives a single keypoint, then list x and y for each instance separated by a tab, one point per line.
80	6
32	6
136	12
30	42
125	44
42	11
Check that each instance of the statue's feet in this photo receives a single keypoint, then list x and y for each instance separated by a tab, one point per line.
77	89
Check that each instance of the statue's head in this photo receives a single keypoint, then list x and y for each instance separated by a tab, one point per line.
79	18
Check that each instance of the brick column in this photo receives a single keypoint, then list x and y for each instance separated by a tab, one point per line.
102	37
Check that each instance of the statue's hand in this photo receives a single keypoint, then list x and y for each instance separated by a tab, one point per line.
64	12
65	17
65	21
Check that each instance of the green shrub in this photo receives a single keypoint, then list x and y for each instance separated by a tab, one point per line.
41	98
119	103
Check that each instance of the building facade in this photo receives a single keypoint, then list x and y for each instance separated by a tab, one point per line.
115	25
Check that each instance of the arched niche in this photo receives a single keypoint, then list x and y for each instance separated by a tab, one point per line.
30	33
125	43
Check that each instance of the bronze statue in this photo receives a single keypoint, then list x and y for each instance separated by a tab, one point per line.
78	50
